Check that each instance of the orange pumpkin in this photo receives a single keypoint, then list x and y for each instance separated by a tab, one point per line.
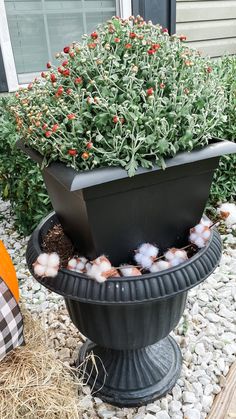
7	271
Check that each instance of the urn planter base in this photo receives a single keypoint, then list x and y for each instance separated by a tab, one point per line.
129	319
131	377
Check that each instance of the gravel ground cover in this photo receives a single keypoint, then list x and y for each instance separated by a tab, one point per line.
206	334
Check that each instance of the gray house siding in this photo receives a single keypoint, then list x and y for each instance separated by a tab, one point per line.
210	25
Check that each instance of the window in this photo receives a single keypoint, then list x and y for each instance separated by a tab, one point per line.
40	28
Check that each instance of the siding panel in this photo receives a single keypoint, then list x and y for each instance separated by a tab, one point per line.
216	48
215	29
205	10
210	25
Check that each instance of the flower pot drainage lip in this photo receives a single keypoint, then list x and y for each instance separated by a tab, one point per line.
132	290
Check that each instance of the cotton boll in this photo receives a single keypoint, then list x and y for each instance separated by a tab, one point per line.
88	267
112	273
53	260
149	250
101	259
160	265
199	228
206	234
181	254
206	222
228	213
95	273
146	262
51	271
193	236
47	264
77	264
103	266
199	235
169	255
129	270
72	264
174	253
80	264
200	242
103	262
100	269
39	270
176	256
138	257
43	259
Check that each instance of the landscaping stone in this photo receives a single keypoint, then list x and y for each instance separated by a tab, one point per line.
206	334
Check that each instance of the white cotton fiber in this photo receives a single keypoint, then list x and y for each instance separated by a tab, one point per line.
53	259
146	262
200	242
129	270
199	228
228	213
47	264
72	264
199	235
39	270
206	222
51	272
148	249
43	259
160	265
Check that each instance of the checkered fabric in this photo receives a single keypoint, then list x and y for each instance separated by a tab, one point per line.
11	322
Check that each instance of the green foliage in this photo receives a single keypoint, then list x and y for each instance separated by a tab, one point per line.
20	179
224	185
130	95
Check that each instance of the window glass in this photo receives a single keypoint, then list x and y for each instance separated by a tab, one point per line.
40	28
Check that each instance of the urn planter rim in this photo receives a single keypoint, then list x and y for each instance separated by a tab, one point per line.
74	180
150	287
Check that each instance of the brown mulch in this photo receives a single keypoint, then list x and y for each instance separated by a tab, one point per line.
57	241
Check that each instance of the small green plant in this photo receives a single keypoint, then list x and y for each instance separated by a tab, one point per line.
129	95
20	179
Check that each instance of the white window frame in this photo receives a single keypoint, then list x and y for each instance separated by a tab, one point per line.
7	53
124	9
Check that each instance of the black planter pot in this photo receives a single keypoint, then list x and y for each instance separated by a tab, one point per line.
104	211
128	320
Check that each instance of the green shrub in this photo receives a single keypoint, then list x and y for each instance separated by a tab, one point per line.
20	179
224	185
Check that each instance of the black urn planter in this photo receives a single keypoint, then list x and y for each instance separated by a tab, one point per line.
105	211
128	321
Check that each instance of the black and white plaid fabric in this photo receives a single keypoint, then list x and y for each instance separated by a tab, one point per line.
11	322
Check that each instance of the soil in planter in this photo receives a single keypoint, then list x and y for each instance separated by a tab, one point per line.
56	241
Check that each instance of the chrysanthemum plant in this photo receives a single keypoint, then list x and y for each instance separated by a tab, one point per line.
129	95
